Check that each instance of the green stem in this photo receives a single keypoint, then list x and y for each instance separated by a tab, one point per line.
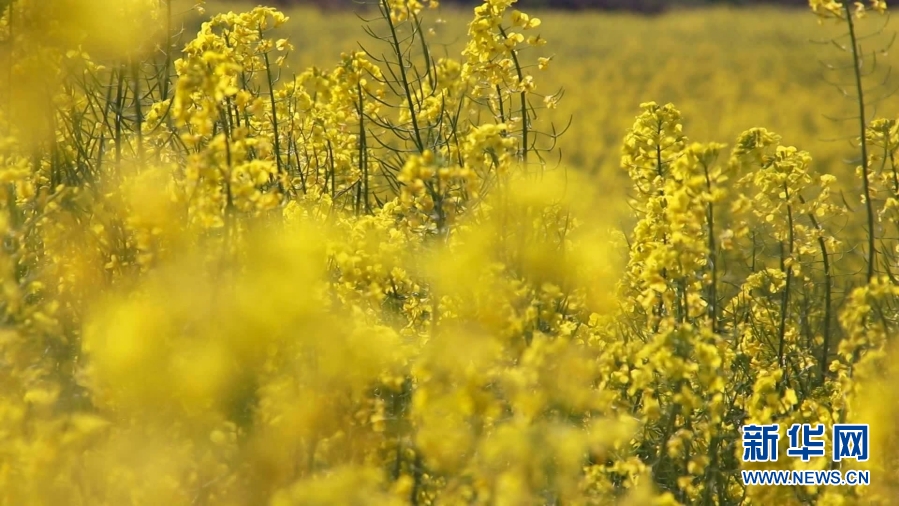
869	206
138	114
271	95
395	42
713	287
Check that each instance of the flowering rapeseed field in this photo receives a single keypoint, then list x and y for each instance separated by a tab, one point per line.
228	280
727	70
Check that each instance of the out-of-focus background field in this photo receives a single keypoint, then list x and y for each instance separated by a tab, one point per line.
727	69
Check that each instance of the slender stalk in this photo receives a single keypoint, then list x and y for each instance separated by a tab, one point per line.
660	170
229	197
869	206
828	292
499	99
120	103
138	114
524	106
712	255
395	42
417	473
168	49
363	152
788	272
828	303
271	95
105	114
